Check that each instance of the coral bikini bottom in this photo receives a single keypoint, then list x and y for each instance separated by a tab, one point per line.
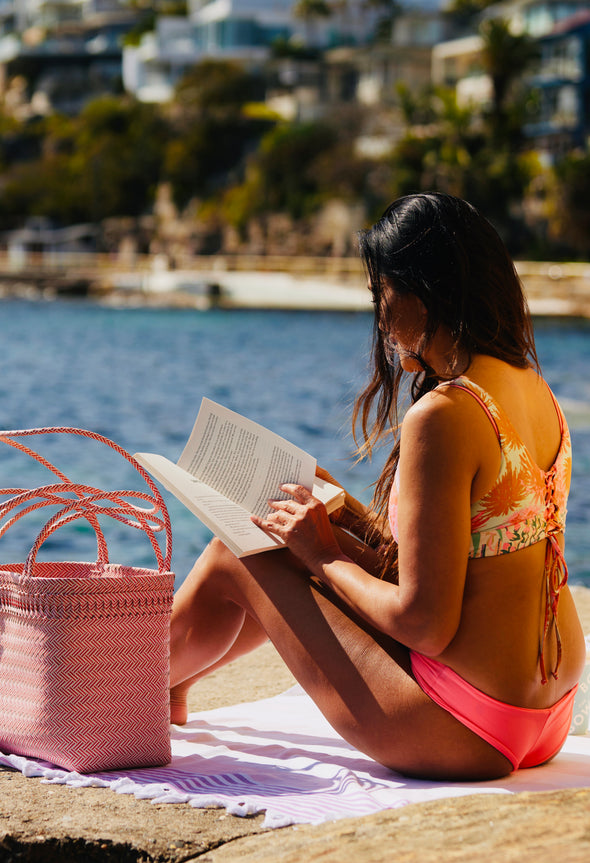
526	736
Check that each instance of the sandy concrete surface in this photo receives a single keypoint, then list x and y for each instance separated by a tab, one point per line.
56	823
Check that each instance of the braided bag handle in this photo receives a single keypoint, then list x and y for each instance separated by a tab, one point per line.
48	496
81	501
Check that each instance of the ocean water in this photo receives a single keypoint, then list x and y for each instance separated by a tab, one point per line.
137	376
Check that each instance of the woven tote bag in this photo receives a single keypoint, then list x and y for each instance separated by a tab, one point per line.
84	647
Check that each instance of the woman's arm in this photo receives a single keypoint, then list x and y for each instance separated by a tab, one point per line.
439	458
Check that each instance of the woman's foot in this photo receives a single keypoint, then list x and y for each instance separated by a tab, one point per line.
178	706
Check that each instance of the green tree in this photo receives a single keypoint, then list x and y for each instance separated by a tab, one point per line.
464	12
390	10
311	9
311	12
21	141
215	86
569	216
118	155
146	23
45	187
209	155
106	162
505	57
449	151
212	129
284	174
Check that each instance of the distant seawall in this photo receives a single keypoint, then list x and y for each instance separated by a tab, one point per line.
556	288
249	281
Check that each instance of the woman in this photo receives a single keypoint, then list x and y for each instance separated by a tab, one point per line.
435	633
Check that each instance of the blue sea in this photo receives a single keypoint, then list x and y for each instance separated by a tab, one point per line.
137	376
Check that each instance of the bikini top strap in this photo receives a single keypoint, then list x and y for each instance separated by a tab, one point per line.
558	409
478	394
461	384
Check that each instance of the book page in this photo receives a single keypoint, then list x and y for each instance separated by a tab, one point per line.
242	460
229	468
228	520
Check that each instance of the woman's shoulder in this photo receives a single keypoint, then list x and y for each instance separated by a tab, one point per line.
445	438
446	399
449	416
441	412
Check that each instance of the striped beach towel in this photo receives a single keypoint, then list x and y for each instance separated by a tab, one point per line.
280	756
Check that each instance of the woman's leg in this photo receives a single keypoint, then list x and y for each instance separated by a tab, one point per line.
250	634
250	637
360	679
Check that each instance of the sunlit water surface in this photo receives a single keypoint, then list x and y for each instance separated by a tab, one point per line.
137	376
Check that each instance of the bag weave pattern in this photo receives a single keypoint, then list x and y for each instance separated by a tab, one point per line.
84	647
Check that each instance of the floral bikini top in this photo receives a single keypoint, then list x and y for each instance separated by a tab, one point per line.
524	506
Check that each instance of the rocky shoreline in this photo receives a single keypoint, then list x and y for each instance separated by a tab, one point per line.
262	282
56	823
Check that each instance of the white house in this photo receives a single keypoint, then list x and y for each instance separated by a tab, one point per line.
242	30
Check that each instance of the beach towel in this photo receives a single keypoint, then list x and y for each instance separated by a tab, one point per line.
280	756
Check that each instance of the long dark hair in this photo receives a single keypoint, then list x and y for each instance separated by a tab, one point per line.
442	250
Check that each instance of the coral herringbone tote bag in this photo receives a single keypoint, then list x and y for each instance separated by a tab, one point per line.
84	647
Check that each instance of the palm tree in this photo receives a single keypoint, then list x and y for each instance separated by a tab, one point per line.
505	57
310	12
312	9
389	11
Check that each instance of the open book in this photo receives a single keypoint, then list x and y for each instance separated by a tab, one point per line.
230	468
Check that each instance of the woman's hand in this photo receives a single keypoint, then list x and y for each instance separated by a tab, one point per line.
302	523
355	517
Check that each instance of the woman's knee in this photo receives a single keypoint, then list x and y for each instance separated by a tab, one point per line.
217	561
217	552
224	573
